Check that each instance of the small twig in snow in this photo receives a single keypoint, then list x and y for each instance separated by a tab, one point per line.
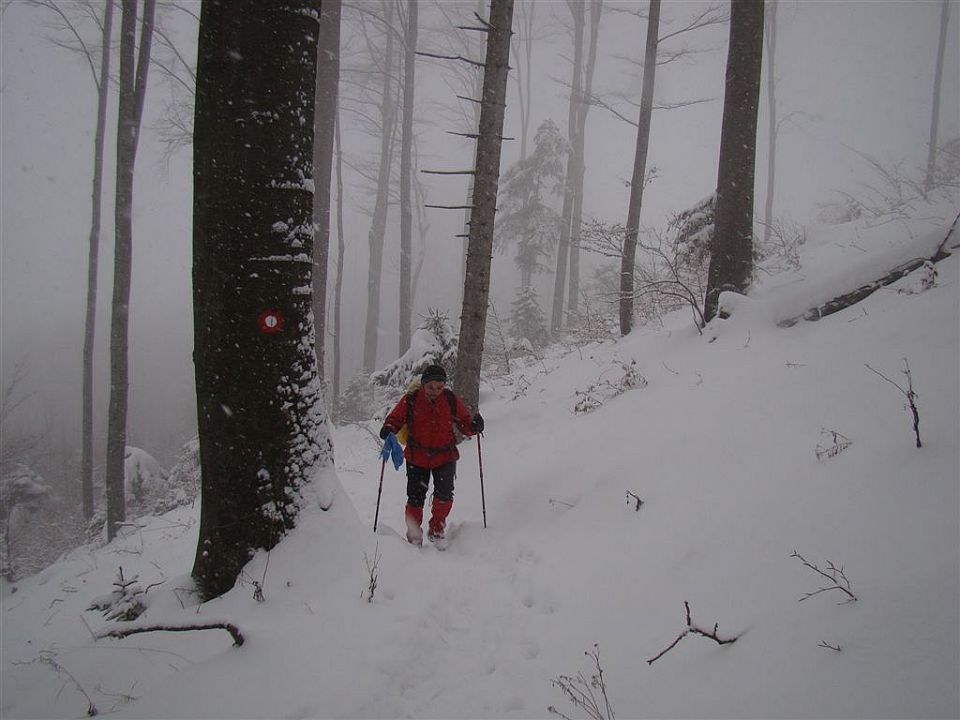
834	574
693	628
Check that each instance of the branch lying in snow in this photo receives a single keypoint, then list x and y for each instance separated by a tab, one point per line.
692	628
124	631
833	574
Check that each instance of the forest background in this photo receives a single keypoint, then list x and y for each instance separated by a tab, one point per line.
854	85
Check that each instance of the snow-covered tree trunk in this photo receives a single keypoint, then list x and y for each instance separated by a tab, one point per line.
476	286
93	263
639	170
328	77
262	425
731	257
133	89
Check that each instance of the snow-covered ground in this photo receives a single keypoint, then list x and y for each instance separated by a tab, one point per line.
721	446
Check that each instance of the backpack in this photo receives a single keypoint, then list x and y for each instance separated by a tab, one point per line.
403	434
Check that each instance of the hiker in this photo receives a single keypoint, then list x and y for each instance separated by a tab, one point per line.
431	449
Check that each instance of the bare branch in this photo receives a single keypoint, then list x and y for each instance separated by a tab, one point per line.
122	632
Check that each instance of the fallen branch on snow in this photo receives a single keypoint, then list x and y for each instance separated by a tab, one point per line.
124	631
834	574
696	629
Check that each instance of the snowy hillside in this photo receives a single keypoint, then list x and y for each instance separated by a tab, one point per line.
746	444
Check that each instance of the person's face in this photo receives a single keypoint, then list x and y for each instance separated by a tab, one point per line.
434	388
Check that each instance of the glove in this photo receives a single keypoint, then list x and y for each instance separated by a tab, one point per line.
384	431
477	424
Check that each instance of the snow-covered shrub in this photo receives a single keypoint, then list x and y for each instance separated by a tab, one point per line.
433	343
143	478
781	249
125	602
605	389
527	320
182	484
357	403
22	494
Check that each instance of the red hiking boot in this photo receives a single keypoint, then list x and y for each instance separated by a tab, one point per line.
414	517
438	519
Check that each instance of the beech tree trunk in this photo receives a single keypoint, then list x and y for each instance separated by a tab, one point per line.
338	282
378	225
771	39
133	87
328	78
93	263
731	253
476	287
574	164
261	418
406	170
639	170
573	294
935	112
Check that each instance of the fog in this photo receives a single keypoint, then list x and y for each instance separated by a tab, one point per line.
853	77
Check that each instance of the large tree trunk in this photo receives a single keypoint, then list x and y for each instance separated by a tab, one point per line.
133	88
771	38
93	263
935	112
328	78
574	163
731	254
406	170
639	170
476	287
338	283
378	225
261	418
573	299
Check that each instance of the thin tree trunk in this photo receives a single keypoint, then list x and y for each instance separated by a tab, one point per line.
476	292
731	253
576	8
328	78
378	225
260	410
524	72
93	262
406	170
573	299
133	84
639	170
771	38
935	112
338	286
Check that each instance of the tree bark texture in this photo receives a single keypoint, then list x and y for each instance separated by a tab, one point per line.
259	404
93	263
328	78
378	225
731	255
935	111
573	291
406	177
133	84
628	260
338	282
771	40
476	287
574	164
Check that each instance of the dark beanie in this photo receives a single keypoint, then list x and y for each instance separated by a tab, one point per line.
433	372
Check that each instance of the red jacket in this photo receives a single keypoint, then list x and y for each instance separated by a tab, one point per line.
431	441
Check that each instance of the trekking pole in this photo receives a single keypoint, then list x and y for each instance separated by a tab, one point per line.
483	499
379	493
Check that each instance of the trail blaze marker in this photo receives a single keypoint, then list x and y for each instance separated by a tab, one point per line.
270	322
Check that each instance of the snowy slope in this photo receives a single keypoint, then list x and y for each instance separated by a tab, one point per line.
720	445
